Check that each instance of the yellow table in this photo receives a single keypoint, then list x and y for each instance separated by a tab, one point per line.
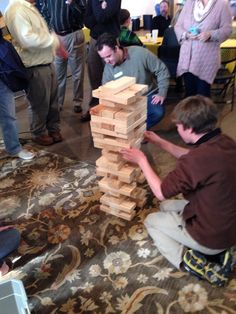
150	44
229	43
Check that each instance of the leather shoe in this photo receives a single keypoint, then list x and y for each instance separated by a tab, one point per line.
56	136
85	117
77	109
43	140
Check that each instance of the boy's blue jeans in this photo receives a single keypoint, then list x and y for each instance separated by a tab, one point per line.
9	241
8	120
154	112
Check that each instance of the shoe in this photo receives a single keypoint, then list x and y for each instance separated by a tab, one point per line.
25	155
43	140
85	117
77	109
215	273
56	136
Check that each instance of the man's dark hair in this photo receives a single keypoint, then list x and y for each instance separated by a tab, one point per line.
196	112
124	16
106	39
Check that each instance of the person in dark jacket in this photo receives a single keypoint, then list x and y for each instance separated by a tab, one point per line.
100	17
197	232
162	21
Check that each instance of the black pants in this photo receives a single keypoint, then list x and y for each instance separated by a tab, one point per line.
195	86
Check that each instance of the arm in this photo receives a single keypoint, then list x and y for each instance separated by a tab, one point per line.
174	150
160	71
136	156
225	25
25	35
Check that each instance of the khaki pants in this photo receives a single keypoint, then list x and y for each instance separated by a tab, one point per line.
167	229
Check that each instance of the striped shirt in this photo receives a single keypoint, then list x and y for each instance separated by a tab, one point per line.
60	15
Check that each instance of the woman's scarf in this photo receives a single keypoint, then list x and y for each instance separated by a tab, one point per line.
200	12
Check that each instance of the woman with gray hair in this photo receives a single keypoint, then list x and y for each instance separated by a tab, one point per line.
201	27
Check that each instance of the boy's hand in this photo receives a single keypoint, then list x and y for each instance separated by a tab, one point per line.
151	137
133	155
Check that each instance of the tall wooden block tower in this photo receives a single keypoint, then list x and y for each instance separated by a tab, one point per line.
119	122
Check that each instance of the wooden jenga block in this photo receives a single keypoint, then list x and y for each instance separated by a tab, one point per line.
120	203
109	112
106	186
112	156
141	178
139	89
97	110
124	98
107	126
126	174
117	213
141	203
114	181
121	129
138	193
104	163
118	85
101	173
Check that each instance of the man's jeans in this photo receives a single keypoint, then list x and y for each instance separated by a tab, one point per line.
8	120
9	242
154	112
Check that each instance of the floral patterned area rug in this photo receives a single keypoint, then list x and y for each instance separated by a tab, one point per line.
73	258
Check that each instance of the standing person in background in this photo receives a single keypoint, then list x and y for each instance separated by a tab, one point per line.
201	27
127	37
100	17
162	21
36	47
7	103
66	19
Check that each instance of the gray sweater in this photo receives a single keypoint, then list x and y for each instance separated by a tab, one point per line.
143	65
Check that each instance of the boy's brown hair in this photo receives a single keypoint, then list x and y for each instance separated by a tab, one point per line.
196	112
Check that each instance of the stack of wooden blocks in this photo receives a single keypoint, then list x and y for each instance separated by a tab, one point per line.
119	122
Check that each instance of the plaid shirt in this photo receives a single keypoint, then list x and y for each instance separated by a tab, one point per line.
128	38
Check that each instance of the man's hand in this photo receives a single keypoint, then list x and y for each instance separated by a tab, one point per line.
157	99
61	50
133	155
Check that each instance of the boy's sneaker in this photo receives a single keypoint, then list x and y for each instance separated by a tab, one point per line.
216	273
25	154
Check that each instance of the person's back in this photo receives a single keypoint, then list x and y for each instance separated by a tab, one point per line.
207	176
